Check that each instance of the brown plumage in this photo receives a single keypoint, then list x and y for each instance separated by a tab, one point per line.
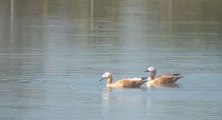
124	83
161	80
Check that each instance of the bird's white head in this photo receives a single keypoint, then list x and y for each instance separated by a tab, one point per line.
106	75
152	72
151	69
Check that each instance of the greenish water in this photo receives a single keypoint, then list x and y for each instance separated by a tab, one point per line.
53	52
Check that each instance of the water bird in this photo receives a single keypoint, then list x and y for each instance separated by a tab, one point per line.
123	83
163	80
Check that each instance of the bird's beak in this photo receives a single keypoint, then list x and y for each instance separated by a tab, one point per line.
101	79
147	71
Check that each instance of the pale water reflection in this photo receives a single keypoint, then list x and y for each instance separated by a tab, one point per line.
53	52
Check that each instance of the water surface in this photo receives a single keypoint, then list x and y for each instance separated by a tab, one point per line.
53	52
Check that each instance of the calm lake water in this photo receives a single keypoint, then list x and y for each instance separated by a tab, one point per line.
53	52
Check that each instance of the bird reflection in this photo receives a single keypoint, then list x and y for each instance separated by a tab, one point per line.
174	85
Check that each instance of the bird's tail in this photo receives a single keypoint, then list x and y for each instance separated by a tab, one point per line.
145	79
177	76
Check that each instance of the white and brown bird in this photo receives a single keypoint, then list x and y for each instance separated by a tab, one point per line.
123	83
162	80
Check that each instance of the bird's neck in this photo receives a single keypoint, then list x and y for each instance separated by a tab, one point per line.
152	75
109	81
149	79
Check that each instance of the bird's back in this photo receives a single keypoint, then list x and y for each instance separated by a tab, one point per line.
130	83
167	79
